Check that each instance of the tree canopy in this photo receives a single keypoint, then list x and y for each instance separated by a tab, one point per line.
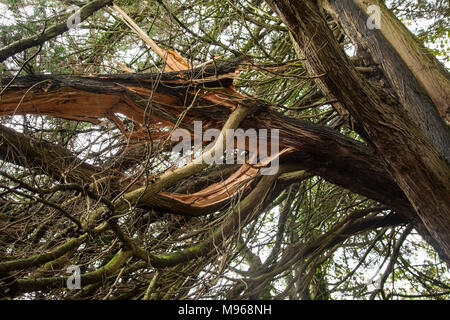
358	208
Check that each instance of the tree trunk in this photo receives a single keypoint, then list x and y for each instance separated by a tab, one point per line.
402	60
430	74
417	166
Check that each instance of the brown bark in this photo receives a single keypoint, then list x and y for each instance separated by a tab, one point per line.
89	98
395	71
432	76
418	168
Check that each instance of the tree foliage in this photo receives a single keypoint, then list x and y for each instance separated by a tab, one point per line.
95	184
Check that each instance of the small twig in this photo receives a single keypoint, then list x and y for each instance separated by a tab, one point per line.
151	286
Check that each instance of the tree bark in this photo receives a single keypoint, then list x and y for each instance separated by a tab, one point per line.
418	168
397	70
429	72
